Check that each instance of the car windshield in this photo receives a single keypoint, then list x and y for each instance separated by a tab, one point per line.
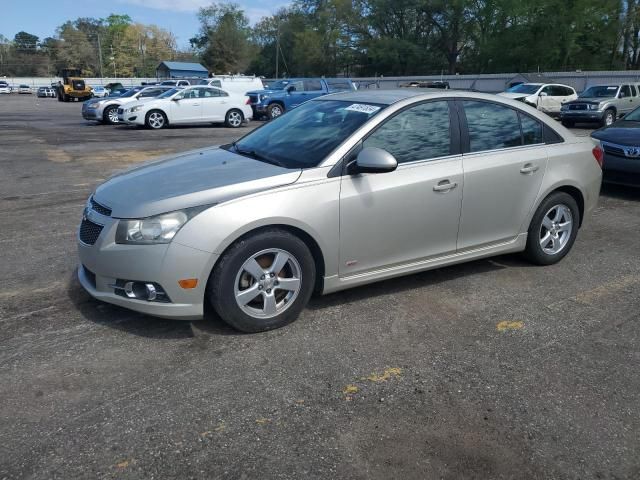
304	137
524	88
169	93
131	93
601	91
279	85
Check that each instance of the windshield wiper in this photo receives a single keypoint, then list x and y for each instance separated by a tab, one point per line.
255	155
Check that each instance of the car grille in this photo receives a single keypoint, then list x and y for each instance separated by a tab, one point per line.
89	232
613	150
579	106
101	209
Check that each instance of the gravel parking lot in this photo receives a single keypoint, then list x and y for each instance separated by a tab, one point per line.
492	369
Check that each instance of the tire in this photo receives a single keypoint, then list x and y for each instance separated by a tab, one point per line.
609	117
274	110
553	229
568	123
265	305
156	120
234	119
110	115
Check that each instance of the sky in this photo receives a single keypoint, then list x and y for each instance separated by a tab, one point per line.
42	17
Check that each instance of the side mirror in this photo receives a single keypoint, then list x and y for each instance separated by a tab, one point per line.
543	94
375	160
175	99
291	88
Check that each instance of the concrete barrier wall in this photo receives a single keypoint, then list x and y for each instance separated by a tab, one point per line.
492	83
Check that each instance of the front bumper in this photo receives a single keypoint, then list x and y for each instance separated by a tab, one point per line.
622	171
578	116
105	262
91	114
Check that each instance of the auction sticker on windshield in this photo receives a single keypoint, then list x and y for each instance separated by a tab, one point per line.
362	108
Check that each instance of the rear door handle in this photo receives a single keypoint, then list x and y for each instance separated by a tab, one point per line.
529	168
444	186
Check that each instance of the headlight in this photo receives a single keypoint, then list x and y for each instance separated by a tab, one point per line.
564	108
93	105
135	109
159	229
593	107
263	97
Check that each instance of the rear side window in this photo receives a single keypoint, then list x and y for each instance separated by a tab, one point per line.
625	91
531	130
312	85
491	126
417	133
633	90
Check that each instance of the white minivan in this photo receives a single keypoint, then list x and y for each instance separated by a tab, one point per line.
546	97
240	84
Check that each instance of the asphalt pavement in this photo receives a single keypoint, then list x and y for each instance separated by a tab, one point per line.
488	370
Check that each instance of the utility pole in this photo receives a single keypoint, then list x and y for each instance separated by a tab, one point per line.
100	55
277	47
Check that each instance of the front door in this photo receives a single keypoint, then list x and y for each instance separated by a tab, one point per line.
504	163
187	107
412	213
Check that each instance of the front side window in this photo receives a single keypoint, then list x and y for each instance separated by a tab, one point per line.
417	133
491	126
600	91
527	88
303	137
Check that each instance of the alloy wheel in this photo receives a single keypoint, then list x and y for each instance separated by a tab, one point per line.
235	119
156	120
555	230
113	115
268	283
276	111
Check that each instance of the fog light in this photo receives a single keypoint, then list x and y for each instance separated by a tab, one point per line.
151	292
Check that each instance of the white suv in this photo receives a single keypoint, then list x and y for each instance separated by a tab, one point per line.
546	97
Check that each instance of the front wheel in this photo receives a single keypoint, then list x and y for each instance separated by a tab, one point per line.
234	119
156	120
274	110
608	118
263	282
111	115
553	229
568	123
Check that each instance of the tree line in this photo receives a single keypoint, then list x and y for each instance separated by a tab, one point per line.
352	37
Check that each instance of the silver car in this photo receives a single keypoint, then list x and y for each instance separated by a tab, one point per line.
345	190
105	110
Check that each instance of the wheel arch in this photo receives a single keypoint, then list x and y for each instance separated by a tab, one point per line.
156	109
307	238
572	190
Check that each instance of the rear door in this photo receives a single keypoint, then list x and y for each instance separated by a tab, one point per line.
625	100
214	105
504	160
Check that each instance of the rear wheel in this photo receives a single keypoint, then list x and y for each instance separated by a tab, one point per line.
553	229
110	115
156	119
263	282
234	119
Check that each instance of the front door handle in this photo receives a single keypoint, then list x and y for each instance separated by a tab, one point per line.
444	186
529	168
195	104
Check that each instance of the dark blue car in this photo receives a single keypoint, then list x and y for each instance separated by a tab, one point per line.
621	144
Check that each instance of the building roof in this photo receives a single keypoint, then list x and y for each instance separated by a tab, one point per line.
188	66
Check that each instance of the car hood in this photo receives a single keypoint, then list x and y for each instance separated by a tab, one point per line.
623	132
594	100
198	177
264	92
